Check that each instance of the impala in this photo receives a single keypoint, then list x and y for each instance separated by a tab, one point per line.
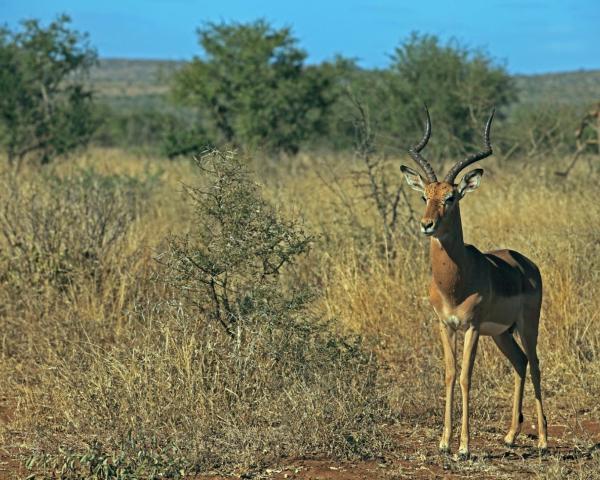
494	293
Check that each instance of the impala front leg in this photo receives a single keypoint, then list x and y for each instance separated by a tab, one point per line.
470	349
449	343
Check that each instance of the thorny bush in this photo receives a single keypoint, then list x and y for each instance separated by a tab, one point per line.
228	266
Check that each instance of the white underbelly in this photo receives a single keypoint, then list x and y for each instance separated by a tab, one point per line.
492	328
485	328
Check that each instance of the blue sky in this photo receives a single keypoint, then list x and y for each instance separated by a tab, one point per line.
529	36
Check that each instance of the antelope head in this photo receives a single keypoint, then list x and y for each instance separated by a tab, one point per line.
442	198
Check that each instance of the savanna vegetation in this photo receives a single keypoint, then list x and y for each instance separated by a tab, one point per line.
236	311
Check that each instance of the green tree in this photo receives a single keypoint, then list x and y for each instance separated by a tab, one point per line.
458	84
45	108
253	87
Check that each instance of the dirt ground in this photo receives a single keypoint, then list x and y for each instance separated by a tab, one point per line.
571	451
574	451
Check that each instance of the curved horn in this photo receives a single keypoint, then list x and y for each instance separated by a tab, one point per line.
415	150
454	171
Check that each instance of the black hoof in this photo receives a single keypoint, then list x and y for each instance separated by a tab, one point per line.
464	455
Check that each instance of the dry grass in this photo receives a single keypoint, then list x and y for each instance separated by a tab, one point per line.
96	361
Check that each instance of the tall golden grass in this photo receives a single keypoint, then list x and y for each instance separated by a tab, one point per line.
102	357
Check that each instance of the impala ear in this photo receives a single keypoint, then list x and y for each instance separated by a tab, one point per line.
415	180
469	182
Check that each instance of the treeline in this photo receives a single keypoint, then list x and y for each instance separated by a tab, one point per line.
251	88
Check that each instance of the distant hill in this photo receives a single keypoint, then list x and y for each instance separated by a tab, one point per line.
573	88
115	77
127	84
137	83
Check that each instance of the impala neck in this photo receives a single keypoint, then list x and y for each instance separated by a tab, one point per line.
449	261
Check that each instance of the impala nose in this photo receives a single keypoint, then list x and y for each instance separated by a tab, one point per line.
427	226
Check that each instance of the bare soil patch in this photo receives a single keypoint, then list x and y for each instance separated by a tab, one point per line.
574	451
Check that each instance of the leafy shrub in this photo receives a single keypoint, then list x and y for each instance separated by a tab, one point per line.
134	128
184	141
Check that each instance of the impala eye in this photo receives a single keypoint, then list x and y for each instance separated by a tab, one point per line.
449	200
424	198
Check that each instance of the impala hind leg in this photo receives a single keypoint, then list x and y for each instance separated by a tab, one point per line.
448	337
530	346
510	348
